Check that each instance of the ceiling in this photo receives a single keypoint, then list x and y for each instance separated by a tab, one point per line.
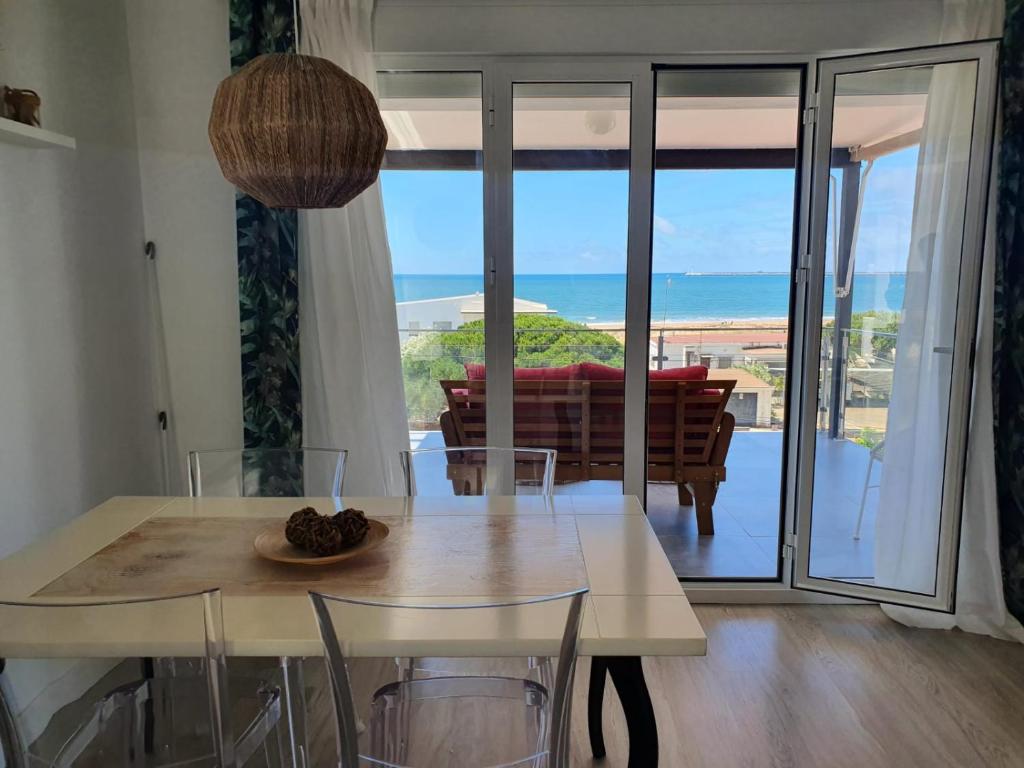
682	122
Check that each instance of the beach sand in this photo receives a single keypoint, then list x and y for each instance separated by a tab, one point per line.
710	326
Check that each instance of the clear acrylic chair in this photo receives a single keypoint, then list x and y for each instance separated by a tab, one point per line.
135	683
487	711
479	471
271	472
258	472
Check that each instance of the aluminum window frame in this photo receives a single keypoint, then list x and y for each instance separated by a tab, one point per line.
496	72
985	53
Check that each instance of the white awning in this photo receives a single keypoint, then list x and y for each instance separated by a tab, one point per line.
683	122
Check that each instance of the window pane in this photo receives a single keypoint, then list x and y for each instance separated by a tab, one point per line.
432	184
571	199
900	156
724	191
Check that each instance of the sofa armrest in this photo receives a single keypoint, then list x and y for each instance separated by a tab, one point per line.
449	431
722	440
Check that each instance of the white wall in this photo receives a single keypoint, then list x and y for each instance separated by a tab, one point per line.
77	420
179	53
652	26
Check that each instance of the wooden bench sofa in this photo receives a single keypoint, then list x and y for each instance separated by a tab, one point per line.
581	415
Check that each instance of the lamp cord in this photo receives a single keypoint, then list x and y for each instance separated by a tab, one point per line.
295	23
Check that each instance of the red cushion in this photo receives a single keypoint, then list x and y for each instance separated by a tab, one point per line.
565	373
589	372
478	372
599	372
690	373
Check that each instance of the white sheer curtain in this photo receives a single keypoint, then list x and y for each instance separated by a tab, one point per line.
906	524
352	395
911	488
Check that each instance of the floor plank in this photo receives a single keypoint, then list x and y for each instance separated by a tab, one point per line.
829	686
810	687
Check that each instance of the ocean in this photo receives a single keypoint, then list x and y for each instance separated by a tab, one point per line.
674	297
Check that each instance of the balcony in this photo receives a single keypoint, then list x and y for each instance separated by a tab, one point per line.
748	507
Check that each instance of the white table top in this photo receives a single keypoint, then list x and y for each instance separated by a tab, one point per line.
636	606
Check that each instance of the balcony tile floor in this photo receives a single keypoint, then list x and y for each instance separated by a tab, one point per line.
747	512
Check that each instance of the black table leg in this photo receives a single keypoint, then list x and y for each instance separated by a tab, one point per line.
628	677
148	713
595	702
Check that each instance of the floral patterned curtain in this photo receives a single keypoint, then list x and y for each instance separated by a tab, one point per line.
268	286
268	291
1008	360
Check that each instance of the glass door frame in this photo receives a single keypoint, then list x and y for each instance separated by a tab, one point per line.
498	72
795	309
986	54
499	246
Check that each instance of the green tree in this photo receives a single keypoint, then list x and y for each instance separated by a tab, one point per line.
885	323
869	438
763	372
541	341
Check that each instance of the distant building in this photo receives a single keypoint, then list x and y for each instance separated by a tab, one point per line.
717	348
722	351
751	400
451	312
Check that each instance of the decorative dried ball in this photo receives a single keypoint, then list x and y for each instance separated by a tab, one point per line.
352	525
323	537
296	527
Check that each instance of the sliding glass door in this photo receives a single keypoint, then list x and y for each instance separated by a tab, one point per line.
433	191
570	163
570	251
573	240
724	242
901	156
513	210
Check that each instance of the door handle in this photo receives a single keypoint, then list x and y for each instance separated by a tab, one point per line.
942	350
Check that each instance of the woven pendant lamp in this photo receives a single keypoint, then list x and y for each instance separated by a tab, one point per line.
297	131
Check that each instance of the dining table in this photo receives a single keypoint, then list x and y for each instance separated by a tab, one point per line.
461	549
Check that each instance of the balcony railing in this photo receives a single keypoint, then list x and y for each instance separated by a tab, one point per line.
856	382
863	360
760	350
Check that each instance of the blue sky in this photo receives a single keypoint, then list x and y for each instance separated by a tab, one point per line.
574	222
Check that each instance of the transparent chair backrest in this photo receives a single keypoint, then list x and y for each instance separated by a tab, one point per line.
489	636
77	675
479	471
252	472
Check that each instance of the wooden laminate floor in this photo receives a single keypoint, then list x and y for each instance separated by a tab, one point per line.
811	687
829	686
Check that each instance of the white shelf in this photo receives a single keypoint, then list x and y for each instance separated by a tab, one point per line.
12	132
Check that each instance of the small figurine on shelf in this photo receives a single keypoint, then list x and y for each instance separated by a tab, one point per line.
21	105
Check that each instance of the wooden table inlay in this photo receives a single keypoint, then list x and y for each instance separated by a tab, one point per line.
430	556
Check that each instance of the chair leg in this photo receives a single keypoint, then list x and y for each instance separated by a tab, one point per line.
704	493
406	668
295	708
685	497
863	498
545	672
